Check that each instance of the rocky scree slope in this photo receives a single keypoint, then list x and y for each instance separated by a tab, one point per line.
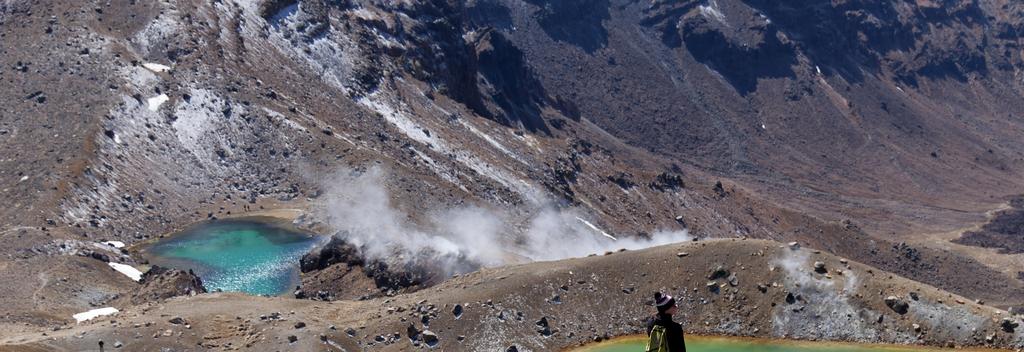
158	115
643	116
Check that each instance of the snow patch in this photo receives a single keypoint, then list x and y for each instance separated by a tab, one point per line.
160	30
194	121
279	117
711	10
595	228
128	270
434	166
155	102
23	179
331	53
364	14
487	138
115	244
98	312
404	124
411	129
155	67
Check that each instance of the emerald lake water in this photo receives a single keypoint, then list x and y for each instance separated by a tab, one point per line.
725	344
251	255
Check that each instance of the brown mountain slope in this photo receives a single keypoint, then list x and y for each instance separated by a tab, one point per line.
854	126
733	287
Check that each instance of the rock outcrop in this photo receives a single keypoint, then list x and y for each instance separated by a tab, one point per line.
339	261
161	283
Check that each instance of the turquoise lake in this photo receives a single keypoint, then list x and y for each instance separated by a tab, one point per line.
250	255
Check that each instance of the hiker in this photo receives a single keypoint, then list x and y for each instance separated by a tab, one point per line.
664	334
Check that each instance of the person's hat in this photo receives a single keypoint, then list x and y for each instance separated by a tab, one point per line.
663	302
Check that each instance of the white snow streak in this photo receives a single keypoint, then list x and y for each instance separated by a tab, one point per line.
711	11
115	244
98	312
414	131
128	270
155	102
595	228
155	67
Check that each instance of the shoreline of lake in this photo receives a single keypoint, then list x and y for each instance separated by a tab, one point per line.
253	255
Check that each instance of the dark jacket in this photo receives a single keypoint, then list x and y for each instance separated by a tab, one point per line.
673	331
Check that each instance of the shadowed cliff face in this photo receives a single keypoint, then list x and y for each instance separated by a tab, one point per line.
909	39
516	94
914	39
743	56
577	22
877	99
455	47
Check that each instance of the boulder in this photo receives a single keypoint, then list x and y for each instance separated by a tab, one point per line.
718	272
335	251
543	328
457	311
819	268
100	256
897	305
429	338
1009	325
411	331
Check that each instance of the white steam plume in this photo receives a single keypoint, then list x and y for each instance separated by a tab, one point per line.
461	239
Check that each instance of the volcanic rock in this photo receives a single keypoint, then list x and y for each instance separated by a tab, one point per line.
429	338
897	305
160	283
1009	325
819	268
